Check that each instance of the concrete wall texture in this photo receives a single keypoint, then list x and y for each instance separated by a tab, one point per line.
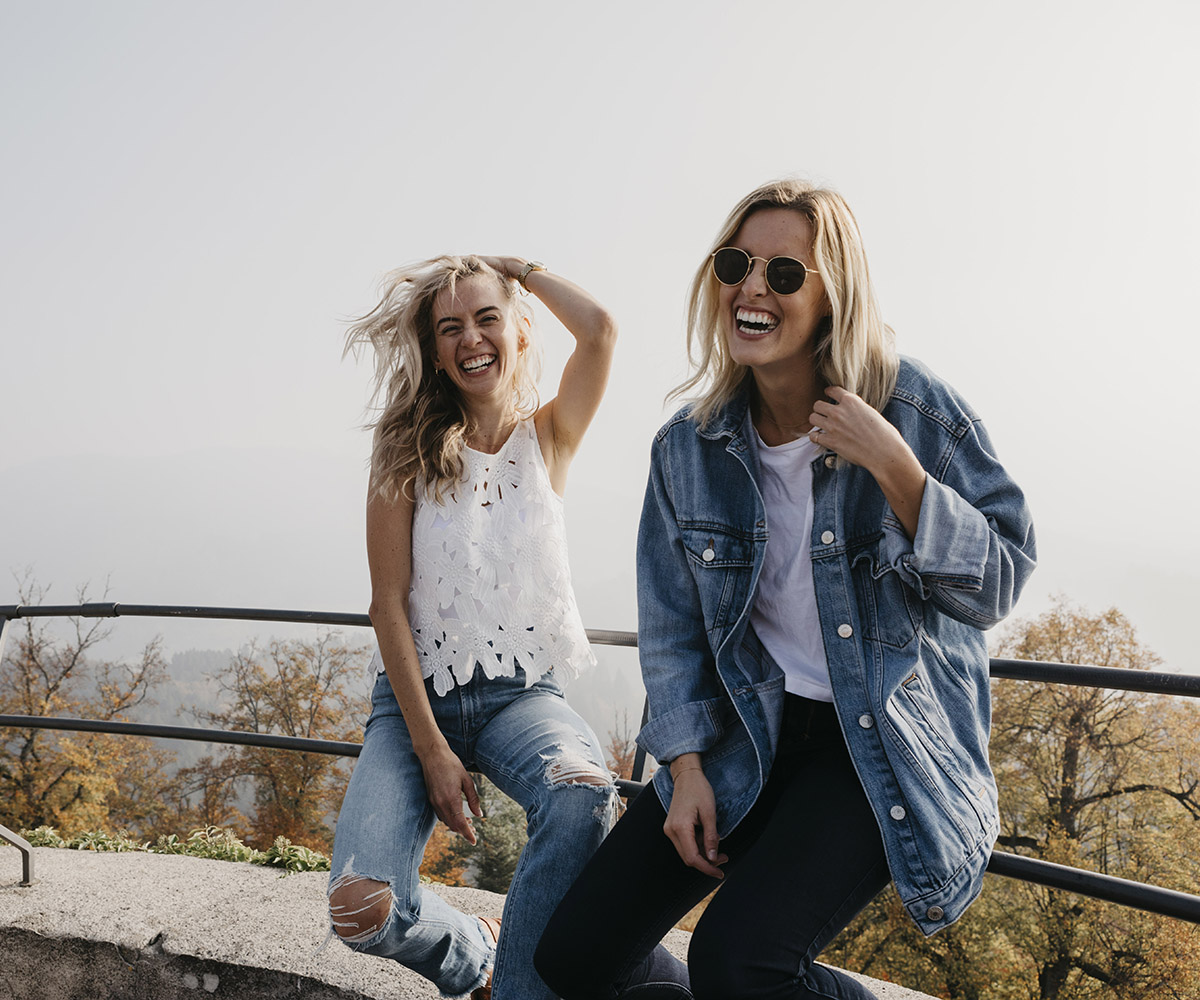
135	926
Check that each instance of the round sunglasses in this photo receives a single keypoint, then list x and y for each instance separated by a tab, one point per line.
785	275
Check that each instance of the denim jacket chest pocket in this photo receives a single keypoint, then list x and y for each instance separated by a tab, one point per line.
721	560
891	611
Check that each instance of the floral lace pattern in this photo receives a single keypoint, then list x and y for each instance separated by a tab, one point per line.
491	586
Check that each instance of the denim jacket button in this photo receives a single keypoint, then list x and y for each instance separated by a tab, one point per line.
826	537
845	631
830	461
708	555
935	913
866	721
897	812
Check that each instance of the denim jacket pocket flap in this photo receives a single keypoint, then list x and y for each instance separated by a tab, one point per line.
710	546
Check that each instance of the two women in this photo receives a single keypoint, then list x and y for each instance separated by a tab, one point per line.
826	534
474	615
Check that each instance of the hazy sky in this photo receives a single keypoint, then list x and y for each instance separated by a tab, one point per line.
196	197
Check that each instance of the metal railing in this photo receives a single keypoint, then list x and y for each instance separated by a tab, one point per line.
1109	888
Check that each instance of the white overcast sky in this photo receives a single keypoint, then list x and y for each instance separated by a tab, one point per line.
195	197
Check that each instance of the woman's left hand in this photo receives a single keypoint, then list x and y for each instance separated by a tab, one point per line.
859	433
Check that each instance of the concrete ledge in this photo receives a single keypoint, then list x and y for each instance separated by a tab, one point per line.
159	927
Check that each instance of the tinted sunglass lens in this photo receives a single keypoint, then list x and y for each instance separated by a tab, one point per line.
730	265
785	275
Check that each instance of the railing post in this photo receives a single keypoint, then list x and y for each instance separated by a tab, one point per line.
4	623
639	756
19	842
26	849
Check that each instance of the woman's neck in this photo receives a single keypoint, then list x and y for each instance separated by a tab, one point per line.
780	409
489	427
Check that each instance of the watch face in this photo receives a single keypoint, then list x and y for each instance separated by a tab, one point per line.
528	269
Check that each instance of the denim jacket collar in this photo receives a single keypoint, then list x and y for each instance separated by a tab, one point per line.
731	417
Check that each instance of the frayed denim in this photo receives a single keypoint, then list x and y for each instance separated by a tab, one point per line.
537	750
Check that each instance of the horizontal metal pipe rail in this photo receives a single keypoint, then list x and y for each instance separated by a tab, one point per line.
233	737
1109	888
1046	672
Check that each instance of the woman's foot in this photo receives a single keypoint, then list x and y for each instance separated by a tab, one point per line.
492	926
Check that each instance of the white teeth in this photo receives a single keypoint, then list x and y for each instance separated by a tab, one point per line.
755	321
477	364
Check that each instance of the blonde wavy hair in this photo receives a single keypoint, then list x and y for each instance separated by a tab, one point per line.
422	427
854	350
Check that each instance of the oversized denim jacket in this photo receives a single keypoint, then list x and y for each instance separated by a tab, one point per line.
902	623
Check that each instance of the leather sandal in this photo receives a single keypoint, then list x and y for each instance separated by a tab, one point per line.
484	992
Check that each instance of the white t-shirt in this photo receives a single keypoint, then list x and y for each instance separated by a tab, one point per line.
785	608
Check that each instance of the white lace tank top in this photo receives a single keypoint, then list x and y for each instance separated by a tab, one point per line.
491	586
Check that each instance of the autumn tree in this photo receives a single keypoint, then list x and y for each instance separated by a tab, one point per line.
622	748
76	781
446	856
293	688
1099	779
1105	780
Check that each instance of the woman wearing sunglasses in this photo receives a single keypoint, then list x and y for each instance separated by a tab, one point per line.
826	534
474	615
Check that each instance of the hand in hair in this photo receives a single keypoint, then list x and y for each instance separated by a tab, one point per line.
506	267
860	434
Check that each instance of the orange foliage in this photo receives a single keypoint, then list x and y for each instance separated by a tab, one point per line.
443	861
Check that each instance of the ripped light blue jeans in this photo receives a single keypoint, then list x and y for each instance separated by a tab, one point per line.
533	747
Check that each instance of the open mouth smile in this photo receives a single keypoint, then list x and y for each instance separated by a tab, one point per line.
478	364
754	322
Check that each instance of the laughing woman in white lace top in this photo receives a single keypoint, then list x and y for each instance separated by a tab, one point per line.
474	615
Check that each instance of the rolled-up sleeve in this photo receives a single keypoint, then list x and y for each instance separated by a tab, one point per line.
975	545
685	694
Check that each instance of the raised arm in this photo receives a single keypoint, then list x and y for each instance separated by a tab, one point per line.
562	422
389	554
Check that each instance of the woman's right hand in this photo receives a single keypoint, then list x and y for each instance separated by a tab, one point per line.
447	781
692	822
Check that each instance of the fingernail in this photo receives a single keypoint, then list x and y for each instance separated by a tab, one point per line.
712	855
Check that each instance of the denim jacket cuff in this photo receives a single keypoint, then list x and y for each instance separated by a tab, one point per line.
951	546
688	728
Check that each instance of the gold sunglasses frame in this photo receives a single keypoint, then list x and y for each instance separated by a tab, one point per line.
750	259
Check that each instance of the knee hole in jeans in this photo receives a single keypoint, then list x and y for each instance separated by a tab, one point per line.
568	770
359	907
564	768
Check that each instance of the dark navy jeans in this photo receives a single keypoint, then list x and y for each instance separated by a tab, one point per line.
804	861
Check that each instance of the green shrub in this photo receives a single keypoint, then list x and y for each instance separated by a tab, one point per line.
211	842
294	858
43	836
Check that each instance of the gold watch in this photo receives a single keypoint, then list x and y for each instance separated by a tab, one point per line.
529	268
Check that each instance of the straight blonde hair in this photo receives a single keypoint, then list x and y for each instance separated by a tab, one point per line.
854	350
422	425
